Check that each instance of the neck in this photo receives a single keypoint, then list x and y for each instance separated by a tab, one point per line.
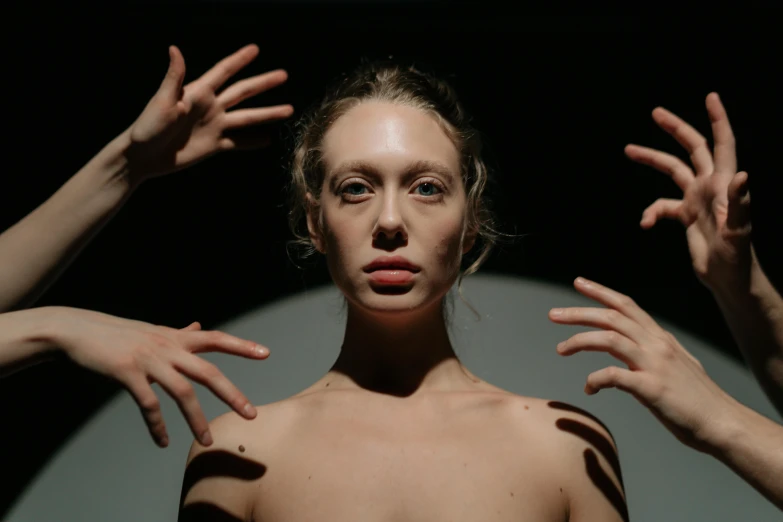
399	354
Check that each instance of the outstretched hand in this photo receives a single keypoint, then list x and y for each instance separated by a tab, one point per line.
660	372
180	126
136	354
715	207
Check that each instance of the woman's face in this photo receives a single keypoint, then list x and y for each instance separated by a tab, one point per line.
393	208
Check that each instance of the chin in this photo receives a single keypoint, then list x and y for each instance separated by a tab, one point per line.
395	299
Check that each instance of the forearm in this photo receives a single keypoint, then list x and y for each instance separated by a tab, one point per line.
752	446
754	313
37	249
26	338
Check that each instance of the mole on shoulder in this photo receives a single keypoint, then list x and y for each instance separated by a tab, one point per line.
527	407
241	449
327	384
512	493
561	490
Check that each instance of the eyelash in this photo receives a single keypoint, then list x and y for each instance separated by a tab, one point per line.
425	181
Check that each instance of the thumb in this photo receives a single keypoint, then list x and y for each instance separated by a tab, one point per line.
171	87
739	202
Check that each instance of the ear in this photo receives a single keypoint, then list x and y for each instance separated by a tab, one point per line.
469	239
314	223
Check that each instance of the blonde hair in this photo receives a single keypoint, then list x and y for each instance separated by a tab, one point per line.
391	83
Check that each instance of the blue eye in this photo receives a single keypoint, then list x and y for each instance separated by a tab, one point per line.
428	189
355	189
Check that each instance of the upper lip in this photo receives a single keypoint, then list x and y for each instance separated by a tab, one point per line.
391	263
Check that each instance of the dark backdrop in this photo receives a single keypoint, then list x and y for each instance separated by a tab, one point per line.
557	99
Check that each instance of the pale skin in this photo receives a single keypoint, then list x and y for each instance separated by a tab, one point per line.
659	371
399	429
181	125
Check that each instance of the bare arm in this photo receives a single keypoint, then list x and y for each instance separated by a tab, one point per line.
715	210
752	446
179	127
133	353
754	314
25	339
37	249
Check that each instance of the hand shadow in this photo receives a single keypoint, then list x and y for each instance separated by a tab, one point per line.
214	464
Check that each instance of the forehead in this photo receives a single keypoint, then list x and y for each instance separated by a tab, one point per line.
389	136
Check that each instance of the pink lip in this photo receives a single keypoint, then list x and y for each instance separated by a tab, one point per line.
391	263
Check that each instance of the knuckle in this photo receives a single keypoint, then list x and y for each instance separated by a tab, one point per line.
125	365
654	390
210	371
150	404
613	316
613	338
184	391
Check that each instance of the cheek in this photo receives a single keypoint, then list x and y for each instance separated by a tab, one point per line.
343	235
448	241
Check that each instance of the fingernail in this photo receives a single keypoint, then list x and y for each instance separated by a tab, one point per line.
261	351
249	410
556	311
206	438
164	441
582	281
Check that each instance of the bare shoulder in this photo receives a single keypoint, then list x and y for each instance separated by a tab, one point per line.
572	447
219	478
588	457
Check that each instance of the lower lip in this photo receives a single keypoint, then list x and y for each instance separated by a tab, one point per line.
391	277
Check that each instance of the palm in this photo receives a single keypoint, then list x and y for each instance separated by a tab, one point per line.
717	225
180	126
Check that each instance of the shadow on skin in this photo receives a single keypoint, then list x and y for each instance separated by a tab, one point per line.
215	464
593	467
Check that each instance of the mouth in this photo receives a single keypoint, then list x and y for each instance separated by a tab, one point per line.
391	264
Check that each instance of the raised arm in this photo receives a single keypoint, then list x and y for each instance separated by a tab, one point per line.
178	127
715	210
672	384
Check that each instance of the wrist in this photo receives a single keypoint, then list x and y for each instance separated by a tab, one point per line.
729	427
48	329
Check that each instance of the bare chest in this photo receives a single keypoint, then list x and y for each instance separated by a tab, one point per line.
382	473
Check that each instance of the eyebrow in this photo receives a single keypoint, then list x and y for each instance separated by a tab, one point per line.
417	167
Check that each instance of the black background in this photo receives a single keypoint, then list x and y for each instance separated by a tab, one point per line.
557	98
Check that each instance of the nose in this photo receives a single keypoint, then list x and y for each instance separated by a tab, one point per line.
390	225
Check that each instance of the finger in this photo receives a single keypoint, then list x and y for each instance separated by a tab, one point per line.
214	341
688	137
229	66
149	405
616	301
611	342
244	142
249	87
247	117
185	396
725	144
193	327
603	318
680	173
660	209
208	375
739	202
612	377
171	88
